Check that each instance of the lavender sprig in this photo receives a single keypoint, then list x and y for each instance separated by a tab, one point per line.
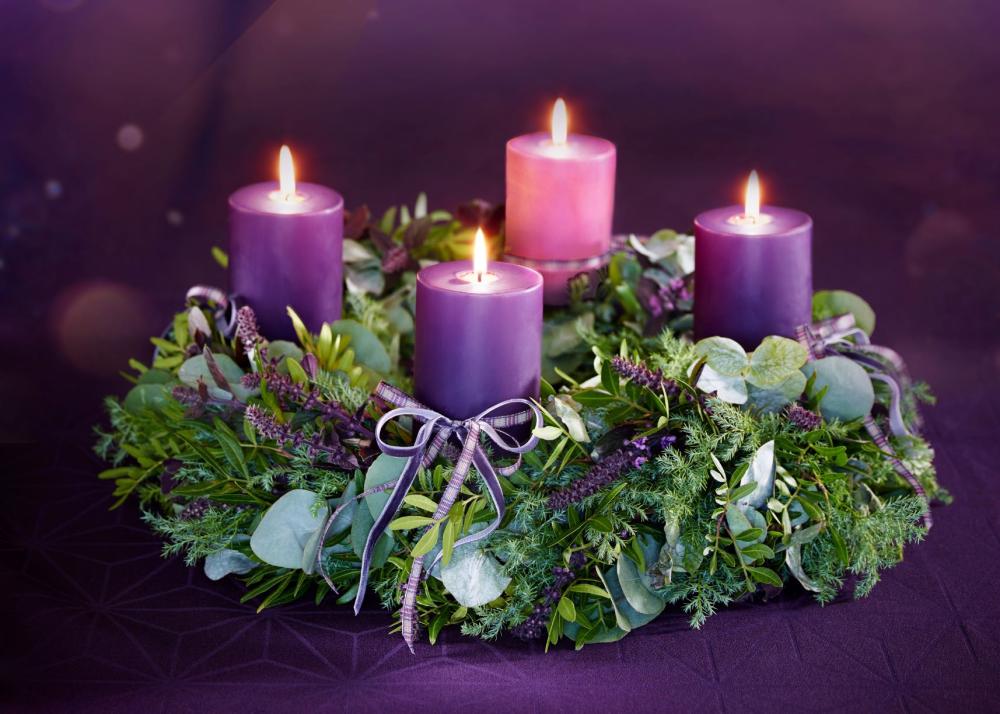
600	475
641	374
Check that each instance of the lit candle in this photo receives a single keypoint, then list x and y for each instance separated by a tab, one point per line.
753	270
478	334
285	245
560	199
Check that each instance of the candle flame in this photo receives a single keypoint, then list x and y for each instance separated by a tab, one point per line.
286	174
752	201
560	122
479	263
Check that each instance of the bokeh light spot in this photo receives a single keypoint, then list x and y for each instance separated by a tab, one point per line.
98	325
130	137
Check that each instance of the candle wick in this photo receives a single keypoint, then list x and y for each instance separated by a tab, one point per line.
479	277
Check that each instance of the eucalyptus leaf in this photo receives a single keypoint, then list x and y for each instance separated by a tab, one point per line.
728	389
771	400
831	303
367	348
849	392
725	356
147	396
355	252
626	616
774	360
793	559
286	528
384	469
473	577
225	562
634	588
761	473
279	349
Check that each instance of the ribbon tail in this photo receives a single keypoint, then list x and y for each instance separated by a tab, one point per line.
896	421
378	528
883	443
495	491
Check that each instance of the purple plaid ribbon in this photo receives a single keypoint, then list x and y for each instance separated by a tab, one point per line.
435	431
841	336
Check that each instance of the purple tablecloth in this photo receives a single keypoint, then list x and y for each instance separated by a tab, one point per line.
124	125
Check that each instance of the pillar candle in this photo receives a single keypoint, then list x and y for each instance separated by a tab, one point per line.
560	199
285	249
478	334
753	270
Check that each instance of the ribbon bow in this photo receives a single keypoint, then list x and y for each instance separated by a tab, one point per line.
435	431
841	336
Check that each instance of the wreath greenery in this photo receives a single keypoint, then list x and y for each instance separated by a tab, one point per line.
667	472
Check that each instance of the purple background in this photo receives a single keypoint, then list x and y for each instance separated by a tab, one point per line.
879	119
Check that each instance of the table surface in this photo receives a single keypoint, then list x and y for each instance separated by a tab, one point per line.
878	119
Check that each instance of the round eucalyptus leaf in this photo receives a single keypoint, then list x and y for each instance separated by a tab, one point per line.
635	590
728	389
774	360
224	562
770	400
360	528
384	469
849	393
367	348
831	303
286	528
279	349
156	376
627	617
147	396
723	355
473	577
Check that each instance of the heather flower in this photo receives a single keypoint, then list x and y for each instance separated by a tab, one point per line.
803	418
641	374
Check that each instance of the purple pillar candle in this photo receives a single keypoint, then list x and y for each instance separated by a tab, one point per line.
753	271
478	335
560	199
286	249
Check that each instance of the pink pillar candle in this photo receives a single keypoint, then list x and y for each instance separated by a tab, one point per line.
285	249
477	342
753	271
560	200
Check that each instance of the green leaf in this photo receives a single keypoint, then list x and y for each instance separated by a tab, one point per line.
832	303
723	355
588	589
764	575
427	541
405	523
567	609
774	360
384	469
360	528
367	348
287	526
422	502
448	542
547	433
221	257
849	392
